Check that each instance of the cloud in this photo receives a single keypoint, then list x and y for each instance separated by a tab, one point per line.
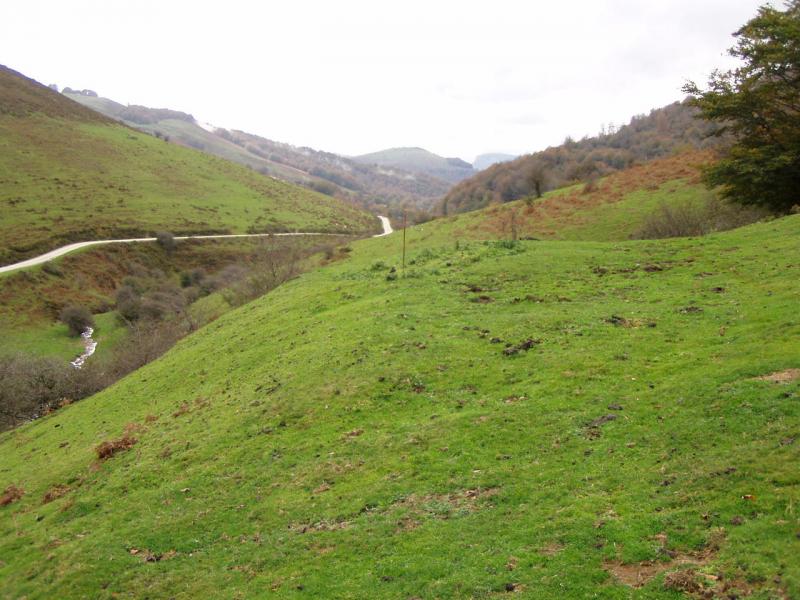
353	76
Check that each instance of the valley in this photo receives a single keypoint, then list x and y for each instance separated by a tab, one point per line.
232	367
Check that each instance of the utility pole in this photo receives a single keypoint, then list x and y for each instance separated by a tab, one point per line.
404	240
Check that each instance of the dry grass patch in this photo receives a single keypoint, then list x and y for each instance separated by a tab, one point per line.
11	494
786	376
109	448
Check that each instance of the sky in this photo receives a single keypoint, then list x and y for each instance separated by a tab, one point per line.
459	78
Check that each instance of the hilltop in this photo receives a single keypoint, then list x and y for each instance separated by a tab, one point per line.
419	161
668	130
326	172
564	418
69	174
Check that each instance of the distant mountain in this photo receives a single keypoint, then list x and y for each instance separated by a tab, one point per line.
484	161
421	162
661	133
379	188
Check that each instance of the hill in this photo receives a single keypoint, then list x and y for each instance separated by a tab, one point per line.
68	173
484	161
419	161
329	173
664	131
549	419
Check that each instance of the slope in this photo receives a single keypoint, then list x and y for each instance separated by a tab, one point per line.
549	419
664	131
613	208
322	171
69	174
419	161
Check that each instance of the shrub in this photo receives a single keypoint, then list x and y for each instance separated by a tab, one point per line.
690	219
52	268
76	318
193	277
166	240
31	386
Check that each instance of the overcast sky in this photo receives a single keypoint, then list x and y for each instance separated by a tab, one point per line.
456	77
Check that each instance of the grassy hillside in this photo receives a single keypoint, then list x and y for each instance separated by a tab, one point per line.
419	160
613	208
663	132
330	173
68	174
529	419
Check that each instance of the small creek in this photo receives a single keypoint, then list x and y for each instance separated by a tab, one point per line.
89	346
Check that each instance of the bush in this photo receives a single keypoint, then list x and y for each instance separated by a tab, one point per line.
31	386
53	269
166	240
77	319
690	219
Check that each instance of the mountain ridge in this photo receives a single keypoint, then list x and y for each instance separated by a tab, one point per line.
332	174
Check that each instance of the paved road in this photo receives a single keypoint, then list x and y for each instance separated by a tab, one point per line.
43	258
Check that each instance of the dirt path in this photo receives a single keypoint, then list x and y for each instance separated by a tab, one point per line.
43	258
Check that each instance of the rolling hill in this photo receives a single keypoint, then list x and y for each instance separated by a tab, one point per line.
329	173
665	131
419	161
68	173
537	419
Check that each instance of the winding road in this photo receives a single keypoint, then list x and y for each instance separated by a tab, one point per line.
43	258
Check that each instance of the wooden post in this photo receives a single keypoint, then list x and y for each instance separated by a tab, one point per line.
404	241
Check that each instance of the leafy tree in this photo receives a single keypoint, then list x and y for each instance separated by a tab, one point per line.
758	103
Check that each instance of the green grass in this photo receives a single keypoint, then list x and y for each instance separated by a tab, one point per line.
54	339
353	436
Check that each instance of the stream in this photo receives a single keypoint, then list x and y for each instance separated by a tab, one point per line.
89	346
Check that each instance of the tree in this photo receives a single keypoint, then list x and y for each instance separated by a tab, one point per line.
537	177
758	103
76	318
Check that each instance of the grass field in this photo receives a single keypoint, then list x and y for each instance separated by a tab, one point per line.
532	419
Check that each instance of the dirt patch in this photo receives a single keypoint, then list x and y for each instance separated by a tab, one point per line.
786	376
523	346
11	494
55	492
149	556
443	505
619	321
111	447
683	581
637	575
552	549
319	526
